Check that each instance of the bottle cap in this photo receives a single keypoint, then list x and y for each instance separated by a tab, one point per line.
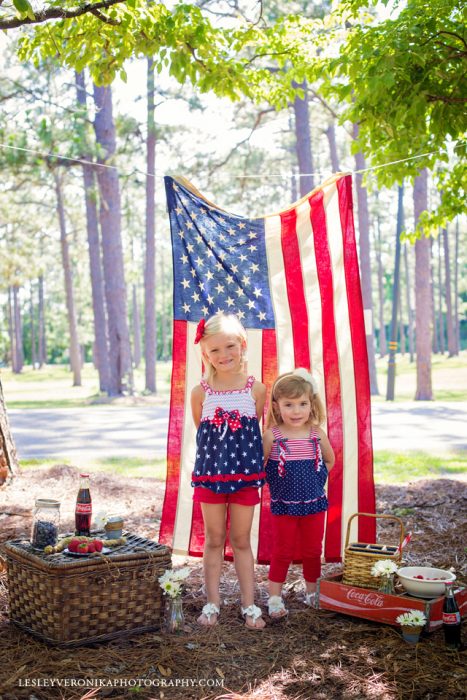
86	476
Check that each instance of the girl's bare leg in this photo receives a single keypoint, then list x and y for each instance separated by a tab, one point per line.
214	516
241	518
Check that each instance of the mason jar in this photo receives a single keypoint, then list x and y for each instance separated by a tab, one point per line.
45	523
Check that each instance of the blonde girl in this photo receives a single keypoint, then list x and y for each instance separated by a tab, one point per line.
298	457
228	471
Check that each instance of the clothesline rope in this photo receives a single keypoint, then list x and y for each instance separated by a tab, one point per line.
82	161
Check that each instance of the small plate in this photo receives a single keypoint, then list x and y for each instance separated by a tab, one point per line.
105	550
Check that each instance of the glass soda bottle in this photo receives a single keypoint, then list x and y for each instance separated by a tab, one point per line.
451	619
83	511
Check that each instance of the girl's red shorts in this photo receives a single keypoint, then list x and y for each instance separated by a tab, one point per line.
247	496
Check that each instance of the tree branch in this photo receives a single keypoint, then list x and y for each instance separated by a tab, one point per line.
446	99
258	119
57	13
103	18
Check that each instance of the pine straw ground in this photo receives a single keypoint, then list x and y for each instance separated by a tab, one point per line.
313	655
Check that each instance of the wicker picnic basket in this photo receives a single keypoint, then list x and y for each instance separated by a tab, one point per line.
73	601
359	557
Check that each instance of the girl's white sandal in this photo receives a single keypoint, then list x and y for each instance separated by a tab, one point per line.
208	610
276	608
255	613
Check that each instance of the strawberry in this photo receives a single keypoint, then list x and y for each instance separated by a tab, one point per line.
98	545
73	545
91	548
418	576
83	548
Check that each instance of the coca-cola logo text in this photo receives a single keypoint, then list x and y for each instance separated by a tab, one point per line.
366	598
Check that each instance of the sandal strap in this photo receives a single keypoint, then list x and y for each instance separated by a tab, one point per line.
210	609
275	604
252	611
310	599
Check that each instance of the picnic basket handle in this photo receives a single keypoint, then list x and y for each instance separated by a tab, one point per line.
373	515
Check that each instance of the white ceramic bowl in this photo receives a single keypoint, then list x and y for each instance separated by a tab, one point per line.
423	587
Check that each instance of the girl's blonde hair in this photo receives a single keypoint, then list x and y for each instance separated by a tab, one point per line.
292	385
222	323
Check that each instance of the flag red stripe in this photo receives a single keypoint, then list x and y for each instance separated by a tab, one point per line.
332	545
366	492
269	374
175	432
196	545
295	290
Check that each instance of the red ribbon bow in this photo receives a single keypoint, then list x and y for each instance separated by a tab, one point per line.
232	418
283	449
200	331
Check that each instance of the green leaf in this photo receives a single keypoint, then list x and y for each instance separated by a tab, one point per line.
24	8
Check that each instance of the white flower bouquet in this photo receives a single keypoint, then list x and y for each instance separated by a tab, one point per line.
172	580
412	618
384	567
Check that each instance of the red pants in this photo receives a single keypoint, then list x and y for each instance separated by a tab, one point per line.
286	530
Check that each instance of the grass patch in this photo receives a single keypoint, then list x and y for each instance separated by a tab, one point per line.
131	467
52	387
397	467
389	467
449	377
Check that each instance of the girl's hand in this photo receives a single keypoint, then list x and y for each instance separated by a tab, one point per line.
258	392
197	398
268	439
326	450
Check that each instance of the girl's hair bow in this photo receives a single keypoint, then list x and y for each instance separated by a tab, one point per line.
307	376
200	330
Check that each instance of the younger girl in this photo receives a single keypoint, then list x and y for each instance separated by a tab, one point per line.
228	470
299	458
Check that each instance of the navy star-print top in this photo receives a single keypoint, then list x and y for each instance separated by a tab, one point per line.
229	447
296	474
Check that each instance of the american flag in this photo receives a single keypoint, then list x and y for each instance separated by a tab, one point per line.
292	278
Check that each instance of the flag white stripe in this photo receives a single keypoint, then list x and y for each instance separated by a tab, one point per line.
278	287
182	527
255	367
346	365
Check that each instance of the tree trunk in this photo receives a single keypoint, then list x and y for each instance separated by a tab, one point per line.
365	265
331	136
303	142
33	328
395	298
17	331
456	290
11	330
401	324
120	370
150	256
409	303
136	328
75	354
442	336
8	460
382	328
434	316
100	347
422	294
447	288
42	335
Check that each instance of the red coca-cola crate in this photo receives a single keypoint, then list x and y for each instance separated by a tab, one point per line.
381	607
